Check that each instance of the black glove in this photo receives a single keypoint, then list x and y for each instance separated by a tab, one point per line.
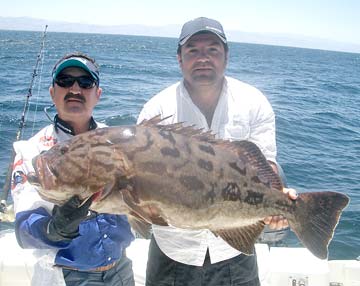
64	224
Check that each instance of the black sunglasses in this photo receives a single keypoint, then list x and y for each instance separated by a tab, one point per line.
83	81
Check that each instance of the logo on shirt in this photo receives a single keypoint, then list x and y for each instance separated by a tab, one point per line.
18	178
47	141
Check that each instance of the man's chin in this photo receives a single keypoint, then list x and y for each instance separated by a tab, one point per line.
203	74
73	113
204	79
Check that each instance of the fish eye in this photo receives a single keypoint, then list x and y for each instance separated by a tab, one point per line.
64	149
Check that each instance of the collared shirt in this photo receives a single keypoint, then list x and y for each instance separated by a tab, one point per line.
104	236
242	113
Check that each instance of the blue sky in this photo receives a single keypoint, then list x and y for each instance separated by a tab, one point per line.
337	20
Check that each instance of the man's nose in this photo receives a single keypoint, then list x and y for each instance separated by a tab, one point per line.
203	55
75	88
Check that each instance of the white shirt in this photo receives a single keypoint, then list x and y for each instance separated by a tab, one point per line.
242	113
26	197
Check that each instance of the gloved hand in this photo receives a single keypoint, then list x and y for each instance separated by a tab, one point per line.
64	224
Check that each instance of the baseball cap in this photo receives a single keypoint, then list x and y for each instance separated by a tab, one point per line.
79	62
201	24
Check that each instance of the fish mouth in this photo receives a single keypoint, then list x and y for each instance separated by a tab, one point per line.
102	194
96	196
34	178
45	178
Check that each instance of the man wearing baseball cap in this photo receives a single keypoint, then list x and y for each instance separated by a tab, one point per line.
232	110
201	25
76	246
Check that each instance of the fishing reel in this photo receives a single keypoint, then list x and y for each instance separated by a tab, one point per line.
3	206
6	212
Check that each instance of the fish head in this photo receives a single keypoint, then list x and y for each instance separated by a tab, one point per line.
82	166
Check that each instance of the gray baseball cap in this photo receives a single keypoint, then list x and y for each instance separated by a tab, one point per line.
201	24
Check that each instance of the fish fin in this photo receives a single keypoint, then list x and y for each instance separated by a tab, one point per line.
244	238
190	131
315	219
154	120
156	217
207	136
148	213
250	155
181	128
135	209
139	225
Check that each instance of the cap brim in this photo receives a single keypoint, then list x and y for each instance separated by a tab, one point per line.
184	40
73	62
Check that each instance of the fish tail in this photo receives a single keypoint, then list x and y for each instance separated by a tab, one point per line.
315	219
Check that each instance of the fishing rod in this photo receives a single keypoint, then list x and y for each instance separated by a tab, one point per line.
6	187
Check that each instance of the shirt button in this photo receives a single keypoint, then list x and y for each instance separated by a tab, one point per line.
105	236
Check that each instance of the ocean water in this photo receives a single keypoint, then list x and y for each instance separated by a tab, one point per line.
315	95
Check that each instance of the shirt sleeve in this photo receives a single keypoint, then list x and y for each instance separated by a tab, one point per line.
262	129
32	213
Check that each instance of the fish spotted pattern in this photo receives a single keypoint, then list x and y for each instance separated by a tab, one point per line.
179	176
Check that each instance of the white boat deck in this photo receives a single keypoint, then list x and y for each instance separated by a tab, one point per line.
278	266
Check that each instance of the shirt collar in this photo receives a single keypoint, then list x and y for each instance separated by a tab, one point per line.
65	127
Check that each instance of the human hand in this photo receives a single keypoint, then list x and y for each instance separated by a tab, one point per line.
64	224
279	222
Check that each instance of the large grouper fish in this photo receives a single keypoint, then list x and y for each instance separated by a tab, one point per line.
179	176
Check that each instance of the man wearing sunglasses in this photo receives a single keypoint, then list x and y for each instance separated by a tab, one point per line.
76	246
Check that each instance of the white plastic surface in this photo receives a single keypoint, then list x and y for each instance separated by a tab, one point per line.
279	266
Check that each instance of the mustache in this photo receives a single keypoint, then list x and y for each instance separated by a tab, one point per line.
74	96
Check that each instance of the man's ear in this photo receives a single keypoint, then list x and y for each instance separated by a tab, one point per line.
52	92
99	92
226	57
179	58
